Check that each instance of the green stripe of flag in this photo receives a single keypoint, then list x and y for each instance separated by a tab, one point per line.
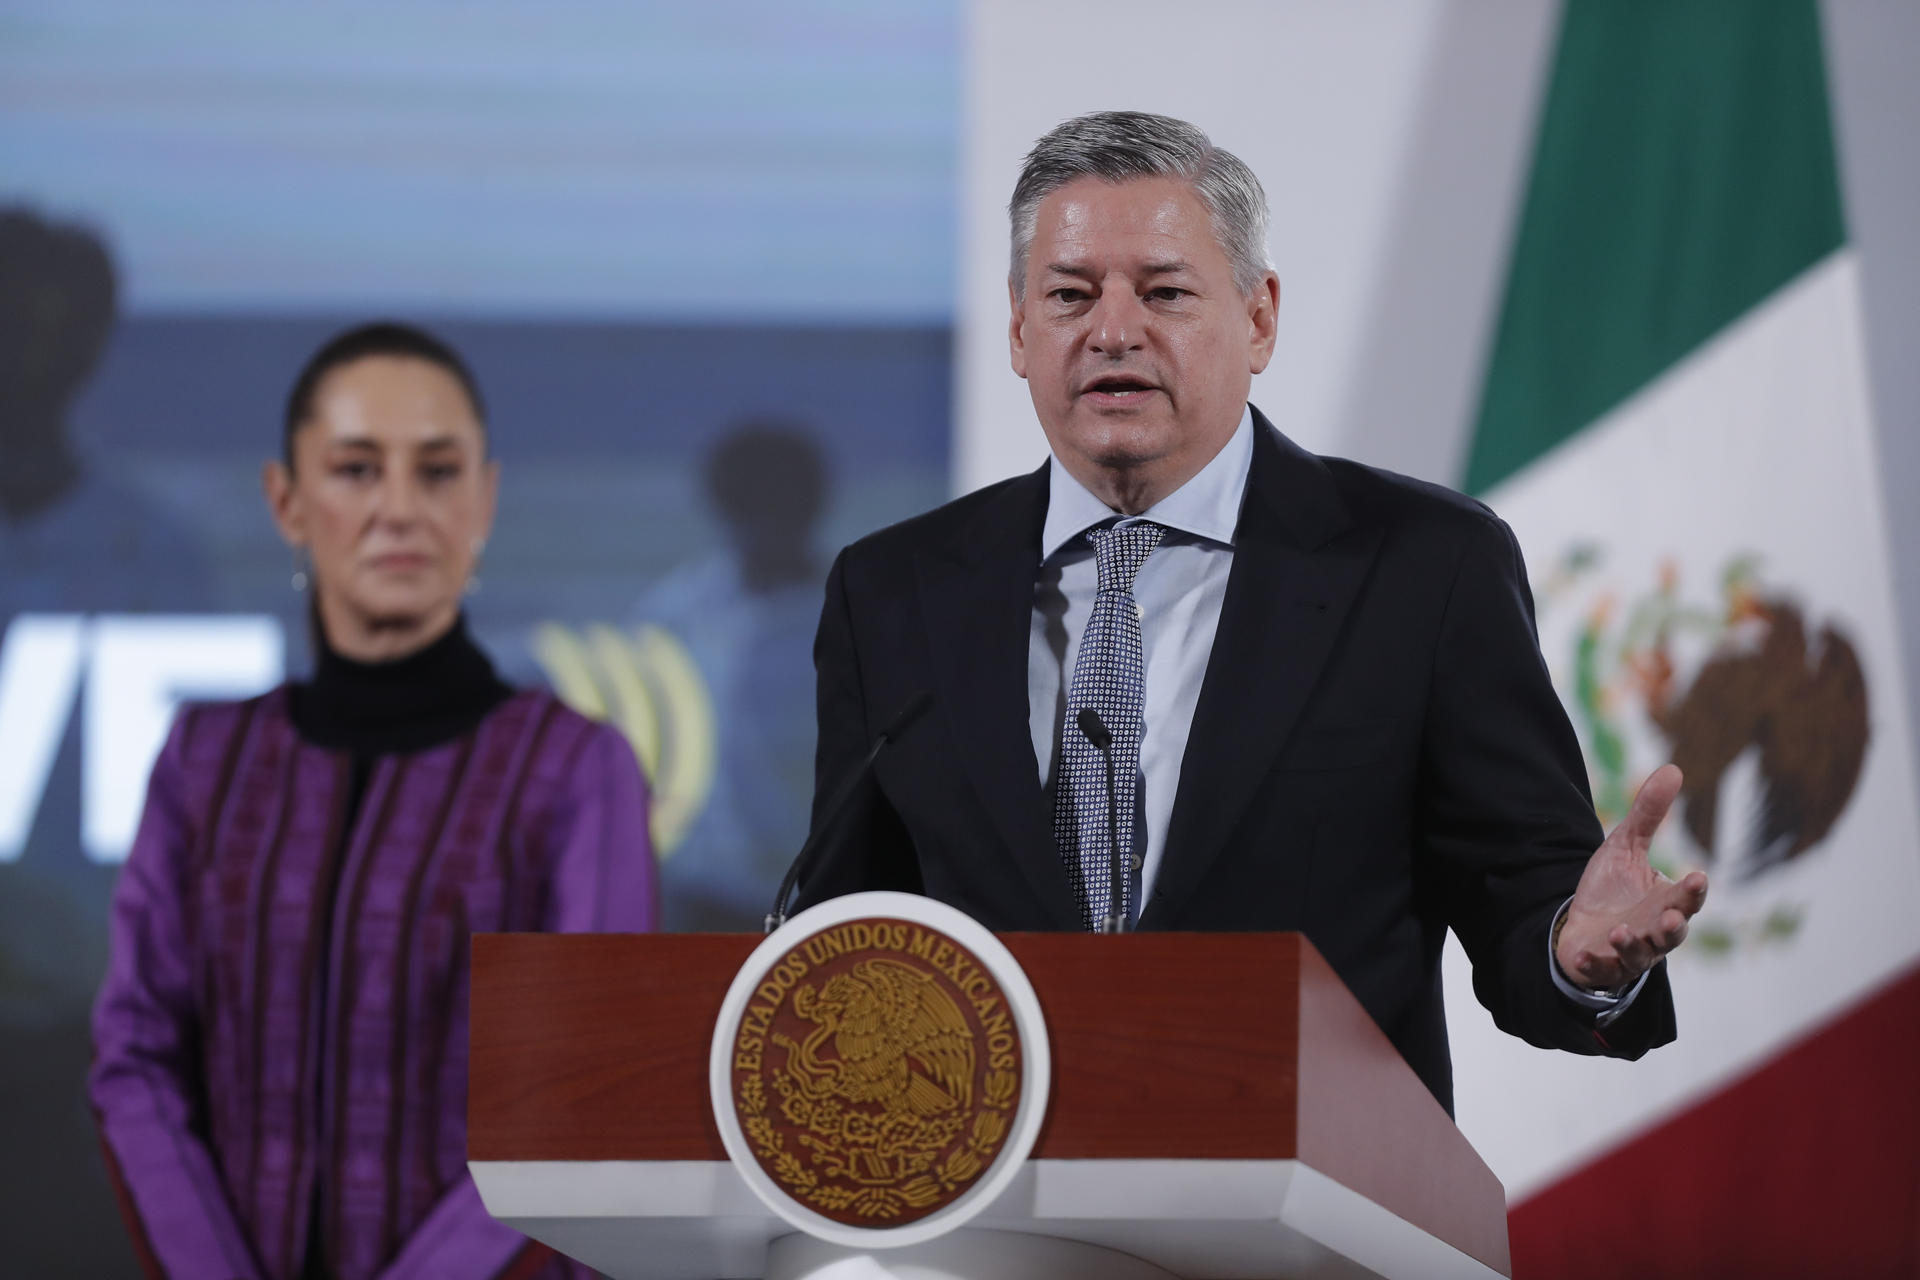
1683	171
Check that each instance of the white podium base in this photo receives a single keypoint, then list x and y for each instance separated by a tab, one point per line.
1200	1219
963	1255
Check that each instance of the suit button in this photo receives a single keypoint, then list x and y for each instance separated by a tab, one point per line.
1136	862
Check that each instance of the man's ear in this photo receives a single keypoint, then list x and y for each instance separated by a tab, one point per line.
276	480
1016	343
1263	321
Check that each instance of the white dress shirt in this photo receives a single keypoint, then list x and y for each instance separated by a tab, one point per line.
1179	592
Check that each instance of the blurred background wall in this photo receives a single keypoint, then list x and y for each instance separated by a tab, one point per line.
733	279
700	258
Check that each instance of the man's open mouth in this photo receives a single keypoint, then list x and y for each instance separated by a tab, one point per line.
1121	387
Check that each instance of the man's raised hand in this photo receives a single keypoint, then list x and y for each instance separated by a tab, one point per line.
1625	915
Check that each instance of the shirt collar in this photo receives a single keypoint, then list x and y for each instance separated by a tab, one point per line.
1207	506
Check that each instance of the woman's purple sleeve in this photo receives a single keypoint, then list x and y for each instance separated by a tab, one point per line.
146	1083
603	879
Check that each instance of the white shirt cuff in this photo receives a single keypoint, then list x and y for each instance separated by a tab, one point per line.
1608	1005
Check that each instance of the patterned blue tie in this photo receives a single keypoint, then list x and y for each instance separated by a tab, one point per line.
1110	676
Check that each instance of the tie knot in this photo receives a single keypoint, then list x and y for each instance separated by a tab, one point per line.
1120	549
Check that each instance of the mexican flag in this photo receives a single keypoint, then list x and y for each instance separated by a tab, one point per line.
1675	421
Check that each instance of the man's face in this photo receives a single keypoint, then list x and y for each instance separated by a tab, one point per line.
1136	344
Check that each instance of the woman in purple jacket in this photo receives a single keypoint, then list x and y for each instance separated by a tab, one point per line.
281	1041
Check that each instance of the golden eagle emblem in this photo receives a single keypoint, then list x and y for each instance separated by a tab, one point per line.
877	1071
898	1040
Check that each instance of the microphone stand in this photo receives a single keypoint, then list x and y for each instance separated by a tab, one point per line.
837	802
1115	921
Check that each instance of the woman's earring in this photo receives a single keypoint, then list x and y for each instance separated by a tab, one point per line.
302	568
473	578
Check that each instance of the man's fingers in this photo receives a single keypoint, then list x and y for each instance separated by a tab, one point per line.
1650	806
1685	896
1669	931
1673	930
1634	941
1603	970
1634	949
1691	892
1595	971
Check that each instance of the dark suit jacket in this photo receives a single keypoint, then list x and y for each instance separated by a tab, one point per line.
1377	753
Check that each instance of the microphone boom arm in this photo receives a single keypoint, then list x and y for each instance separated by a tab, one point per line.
837	802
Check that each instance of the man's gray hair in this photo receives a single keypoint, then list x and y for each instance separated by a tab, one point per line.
1117	146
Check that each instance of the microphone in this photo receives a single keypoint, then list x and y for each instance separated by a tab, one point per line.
1115	921
802	861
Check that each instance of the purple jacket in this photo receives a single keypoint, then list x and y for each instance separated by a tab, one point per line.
233	1067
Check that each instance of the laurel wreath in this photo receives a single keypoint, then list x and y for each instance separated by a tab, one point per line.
915	1142
965	1162
767	1141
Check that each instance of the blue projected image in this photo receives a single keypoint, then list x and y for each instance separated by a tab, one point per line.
749	159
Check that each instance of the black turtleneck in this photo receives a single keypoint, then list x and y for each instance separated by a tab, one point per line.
374	709
409	704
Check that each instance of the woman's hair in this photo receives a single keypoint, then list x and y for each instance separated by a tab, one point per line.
382	338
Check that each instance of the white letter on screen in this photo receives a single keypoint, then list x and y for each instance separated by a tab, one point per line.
39	672
142	669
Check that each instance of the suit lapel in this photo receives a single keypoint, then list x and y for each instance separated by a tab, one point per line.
1298	565
977	597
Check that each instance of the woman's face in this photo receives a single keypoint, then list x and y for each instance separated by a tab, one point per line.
391	493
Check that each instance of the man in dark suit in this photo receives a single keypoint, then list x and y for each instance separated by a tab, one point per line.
1318	683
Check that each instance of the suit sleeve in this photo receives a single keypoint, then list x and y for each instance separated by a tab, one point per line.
1506	817
867	847
146	1083
603	880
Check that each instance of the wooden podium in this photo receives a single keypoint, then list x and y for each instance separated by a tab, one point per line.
1221	1107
